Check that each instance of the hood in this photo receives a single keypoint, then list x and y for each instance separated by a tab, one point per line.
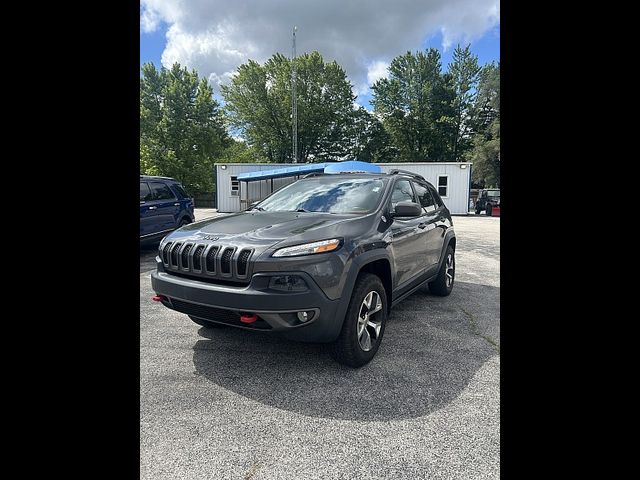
264	229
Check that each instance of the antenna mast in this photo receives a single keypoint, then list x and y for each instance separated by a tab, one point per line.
294	100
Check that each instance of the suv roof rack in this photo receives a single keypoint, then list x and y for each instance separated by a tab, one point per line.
397	171
157	177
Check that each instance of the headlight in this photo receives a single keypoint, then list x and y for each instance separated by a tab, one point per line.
309	248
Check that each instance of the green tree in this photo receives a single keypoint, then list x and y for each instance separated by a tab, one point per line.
416	106
370	142
258	103
465	73
240	152
181	126
485	154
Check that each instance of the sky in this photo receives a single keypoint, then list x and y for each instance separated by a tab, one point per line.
363	36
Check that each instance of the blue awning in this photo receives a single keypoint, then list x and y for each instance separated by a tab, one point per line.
335	167
352	166
282	172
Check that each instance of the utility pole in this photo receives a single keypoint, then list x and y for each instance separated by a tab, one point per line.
294	100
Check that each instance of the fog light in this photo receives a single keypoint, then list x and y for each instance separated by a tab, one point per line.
305	316
288	283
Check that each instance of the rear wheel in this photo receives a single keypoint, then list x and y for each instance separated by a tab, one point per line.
205	323
489	209
364	323
443	284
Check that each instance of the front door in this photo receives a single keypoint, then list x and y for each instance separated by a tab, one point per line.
409	246
432	234
166	206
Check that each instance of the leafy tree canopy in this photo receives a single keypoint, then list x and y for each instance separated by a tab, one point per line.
181	126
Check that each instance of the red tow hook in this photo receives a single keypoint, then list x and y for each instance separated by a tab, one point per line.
248	318
158	298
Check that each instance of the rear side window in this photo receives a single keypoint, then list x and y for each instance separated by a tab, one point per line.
179	189
436	197
402	192
145	192
161	191
425	197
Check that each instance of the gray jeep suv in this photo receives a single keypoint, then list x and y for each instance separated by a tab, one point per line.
322	260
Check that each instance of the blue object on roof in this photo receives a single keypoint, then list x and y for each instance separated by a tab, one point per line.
304	169
282	172
352	166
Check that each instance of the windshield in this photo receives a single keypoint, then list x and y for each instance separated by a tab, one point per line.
327	194
493	193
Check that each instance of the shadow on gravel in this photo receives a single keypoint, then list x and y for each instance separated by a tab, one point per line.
431	349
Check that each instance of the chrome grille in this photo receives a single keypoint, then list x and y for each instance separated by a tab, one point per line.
197	261
210	262
174	254
165	253
185	256
211	259
225	261
243	258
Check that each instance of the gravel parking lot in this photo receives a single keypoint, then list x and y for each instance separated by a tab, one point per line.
225	403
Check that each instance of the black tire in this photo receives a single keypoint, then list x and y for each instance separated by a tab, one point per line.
440	286
205	323
347	349
489	209
478	211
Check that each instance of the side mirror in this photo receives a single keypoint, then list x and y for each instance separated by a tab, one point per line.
407	209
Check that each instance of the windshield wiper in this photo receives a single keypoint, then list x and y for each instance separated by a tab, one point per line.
260	209
303	210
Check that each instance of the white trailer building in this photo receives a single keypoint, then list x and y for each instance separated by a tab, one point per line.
452	179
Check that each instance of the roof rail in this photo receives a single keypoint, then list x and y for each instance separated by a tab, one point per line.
397	171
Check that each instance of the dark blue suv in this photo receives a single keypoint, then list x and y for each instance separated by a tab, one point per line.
164	206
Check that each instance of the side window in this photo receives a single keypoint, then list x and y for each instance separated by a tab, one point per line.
161	191
402	192
443	185
179	189
426	200
235	185
145	192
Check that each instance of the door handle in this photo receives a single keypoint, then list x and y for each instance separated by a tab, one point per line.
176	204
152	208
422	225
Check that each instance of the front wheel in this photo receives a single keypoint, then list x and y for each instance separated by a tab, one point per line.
443	284
489	209
364	323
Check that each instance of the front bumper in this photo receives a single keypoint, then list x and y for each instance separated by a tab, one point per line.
276	310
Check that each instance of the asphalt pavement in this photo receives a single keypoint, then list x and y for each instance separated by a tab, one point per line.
226	403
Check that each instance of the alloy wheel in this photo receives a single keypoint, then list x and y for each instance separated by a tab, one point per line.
450	269
369	320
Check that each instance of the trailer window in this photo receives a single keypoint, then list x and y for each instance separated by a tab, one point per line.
443	185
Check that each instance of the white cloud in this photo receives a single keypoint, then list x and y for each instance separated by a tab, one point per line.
215	36
376	71
149	20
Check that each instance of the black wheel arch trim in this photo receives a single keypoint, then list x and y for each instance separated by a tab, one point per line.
357	264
